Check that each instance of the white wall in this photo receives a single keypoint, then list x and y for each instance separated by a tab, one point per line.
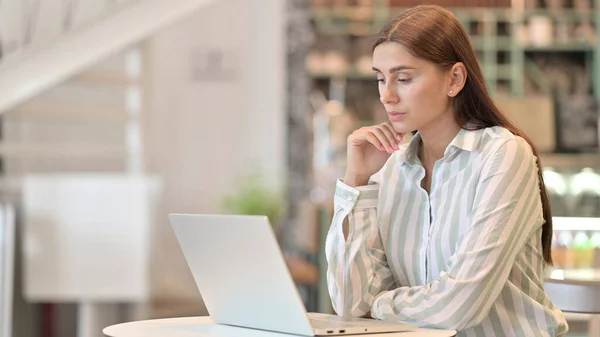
205	130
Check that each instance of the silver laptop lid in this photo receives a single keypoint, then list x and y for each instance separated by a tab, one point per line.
240	272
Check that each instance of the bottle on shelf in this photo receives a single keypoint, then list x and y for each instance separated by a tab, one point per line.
564	250
595	246
582	250
557	251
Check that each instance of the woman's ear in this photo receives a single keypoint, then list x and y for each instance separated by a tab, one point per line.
458	78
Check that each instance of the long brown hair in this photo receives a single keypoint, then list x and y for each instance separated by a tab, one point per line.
432	33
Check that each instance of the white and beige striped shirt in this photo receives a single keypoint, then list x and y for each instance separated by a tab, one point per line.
467	256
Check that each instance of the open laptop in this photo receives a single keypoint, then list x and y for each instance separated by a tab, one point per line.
241	274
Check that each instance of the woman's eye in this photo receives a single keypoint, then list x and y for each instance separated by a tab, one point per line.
404	80
380	80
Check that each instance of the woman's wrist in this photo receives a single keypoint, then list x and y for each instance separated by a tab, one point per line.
355	181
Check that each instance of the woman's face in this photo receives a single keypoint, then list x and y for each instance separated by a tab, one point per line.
415	92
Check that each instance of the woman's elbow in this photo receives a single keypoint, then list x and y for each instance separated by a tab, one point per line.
346	308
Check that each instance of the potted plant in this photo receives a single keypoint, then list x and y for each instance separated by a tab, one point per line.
254	197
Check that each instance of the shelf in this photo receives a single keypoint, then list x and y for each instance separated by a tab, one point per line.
575	224
501	43
464	14
471	14
489	46
503	72
364	21
570	160
355	13
348	21
562	47
568	14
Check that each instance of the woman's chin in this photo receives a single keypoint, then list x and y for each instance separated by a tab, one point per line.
401	127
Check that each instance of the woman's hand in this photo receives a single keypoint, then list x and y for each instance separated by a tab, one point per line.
368	150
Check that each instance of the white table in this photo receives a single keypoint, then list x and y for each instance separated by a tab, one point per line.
204	327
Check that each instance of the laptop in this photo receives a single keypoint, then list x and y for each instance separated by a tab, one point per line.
243	279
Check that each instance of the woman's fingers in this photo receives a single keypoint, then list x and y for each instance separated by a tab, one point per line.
382	136
390	135
397	136
387	142
373	139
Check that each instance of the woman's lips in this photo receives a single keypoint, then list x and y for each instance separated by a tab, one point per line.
396	116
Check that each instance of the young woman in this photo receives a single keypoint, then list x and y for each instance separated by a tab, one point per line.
454	229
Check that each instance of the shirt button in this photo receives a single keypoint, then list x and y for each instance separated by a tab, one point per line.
349	198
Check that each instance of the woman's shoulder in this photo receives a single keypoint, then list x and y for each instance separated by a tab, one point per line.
496	137
499	141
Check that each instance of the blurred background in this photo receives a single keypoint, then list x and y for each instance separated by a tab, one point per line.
115	113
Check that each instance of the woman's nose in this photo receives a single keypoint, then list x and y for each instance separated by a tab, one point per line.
388	96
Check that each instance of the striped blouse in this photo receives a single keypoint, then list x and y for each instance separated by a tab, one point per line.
467	256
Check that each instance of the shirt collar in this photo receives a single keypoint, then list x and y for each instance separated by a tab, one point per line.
465	139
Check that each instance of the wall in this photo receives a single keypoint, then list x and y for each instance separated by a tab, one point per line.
77	126
217	109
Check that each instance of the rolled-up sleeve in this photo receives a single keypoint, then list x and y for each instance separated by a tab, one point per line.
506	211
357	268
